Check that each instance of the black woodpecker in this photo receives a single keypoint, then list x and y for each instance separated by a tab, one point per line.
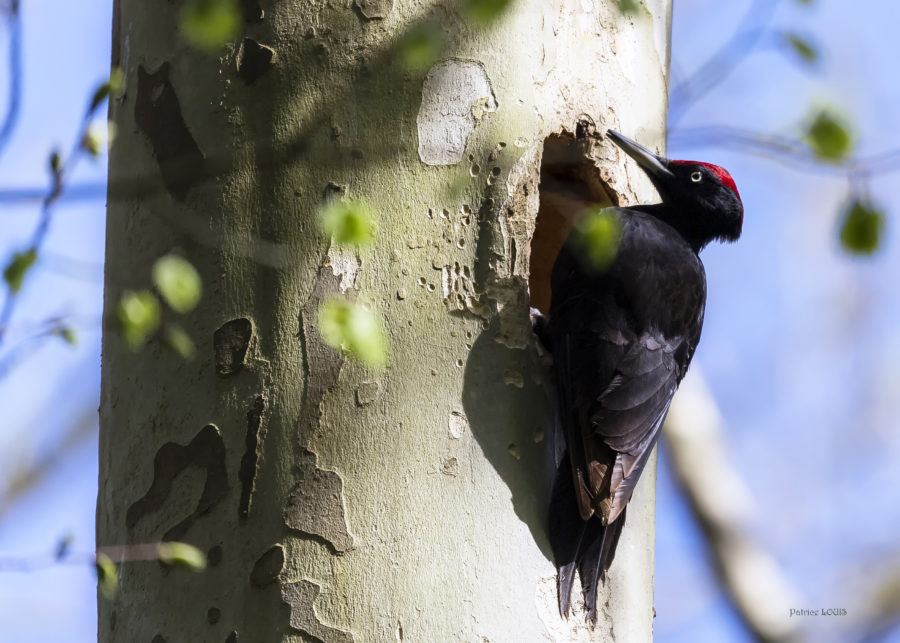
622	338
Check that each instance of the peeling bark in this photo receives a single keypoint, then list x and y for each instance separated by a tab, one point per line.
316	505
301	597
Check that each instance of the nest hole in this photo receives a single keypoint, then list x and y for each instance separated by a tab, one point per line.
571	186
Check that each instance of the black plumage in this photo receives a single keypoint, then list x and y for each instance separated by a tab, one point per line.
622	336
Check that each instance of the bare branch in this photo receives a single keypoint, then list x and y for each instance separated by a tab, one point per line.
724	509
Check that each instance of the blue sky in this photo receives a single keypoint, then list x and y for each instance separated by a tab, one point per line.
800	342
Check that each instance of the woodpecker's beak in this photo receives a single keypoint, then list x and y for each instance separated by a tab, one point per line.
653	165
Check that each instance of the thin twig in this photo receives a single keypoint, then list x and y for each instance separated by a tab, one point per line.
754	25
57	187
784	150
15	74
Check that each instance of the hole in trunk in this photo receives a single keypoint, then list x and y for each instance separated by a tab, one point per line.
570	186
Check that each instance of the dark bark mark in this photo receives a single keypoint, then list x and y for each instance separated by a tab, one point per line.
230	343
333	191
301	596
254	60
268	566
207	451
316	504
213	615
158	639
250	460
252	11
375	9
158	113
214	555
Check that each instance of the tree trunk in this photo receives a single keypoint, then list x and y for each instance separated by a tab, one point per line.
338	502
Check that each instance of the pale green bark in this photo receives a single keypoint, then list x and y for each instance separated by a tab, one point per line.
407	504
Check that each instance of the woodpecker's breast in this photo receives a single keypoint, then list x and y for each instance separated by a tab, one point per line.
659	276
655	284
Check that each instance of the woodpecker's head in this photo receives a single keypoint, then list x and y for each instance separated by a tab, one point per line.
703	200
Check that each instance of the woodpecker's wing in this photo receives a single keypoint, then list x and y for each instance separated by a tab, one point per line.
622	342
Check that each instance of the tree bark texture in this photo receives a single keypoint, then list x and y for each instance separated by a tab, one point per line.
337	502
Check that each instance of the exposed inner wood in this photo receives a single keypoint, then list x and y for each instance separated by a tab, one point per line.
570	187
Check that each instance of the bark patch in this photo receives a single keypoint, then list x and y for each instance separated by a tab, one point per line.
321	363
207	451
158	114
268	566
374	9
214	555
230	343
254	60
367	392
316	504
250	460
456	96
301	597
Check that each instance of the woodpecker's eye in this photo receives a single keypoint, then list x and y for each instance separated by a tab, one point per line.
696	177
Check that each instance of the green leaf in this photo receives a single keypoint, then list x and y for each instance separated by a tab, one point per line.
17	268
828	136
178	282
209	24
179	341
422	46
629	6
107	576
111	87
348	223
67	335
598	237
862	227
802	47
55	162
485	11
92	142
182	555
139	315
353	329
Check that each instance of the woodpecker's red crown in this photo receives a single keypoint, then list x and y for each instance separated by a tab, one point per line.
719	172
700	200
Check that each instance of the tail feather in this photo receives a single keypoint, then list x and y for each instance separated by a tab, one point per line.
596	561
585	545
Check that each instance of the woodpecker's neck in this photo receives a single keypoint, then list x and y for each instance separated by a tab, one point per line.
674	217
